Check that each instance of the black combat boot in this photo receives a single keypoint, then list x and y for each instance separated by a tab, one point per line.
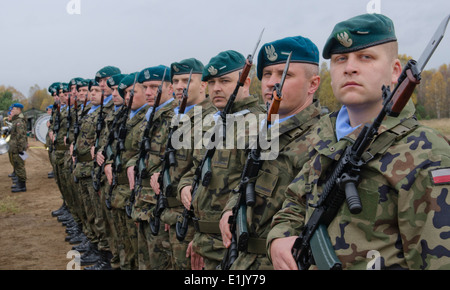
60	211
13	174
83	246
20	187
91	256
50	174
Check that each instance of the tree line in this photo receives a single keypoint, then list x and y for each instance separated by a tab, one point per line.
431	97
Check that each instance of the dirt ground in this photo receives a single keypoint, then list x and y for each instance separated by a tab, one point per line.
31	239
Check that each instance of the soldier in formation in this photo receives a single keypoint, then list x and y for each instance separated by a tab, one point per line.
153	166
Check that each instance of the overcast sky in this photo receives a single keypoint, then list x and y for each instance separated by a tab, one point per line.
42	41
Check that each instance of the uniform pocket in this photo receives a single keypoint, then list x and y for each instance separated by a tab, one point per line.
266	183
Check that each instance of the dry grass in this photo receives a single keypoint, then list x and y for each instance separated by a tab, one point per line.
441	125
9	205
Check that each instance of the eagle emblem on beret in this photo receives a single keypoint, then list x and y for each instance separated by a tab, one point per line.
270	52
344	39
213	71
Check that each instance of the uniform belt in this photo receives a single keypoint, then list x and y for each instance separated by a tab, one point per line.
206	227
85	158
257	246
122	179
173	202
62	147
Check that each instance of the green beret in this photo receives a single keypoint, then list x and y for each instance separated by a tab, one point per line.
358	33
185	66
93	83
276	52
224	63
154	73
53	88
17	105
107	71
126	82
64	87
73	82
82	83
115	80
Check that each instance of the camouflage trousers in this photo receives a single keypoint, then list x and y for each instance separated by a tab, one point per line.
110	227
178	249
61	173
211	248
86	190
250	261
154	251
19	167
100	227
126	229
73	199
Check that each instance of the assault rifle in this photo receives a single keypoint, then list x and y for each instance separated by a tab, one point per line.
203	172
69	120
144	151
313	246
76	132
55	104
168	161
246	189
57	125
108	151
96	173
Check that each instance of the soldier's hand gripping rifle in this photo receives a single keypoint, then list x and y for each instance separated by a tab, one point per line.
168	161
96	172
144	151
313	246
203	171
246	188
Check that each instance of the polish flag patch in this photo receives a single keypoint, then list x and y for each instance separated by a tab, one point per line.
441	176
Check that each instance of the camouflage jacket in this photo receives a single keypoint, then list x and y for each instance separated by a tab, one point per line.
404	220
273	179
61	134
158	138
18	141
184	157
84	143
226	168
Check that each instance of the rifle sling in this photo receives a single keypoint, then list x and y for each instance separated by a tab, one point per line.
384	141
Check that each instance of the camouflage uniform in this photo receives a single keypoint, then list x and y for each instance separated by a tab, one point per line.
154	251
83	172
184	163
18	143
127	231
227	165
404	205
110	227
273	179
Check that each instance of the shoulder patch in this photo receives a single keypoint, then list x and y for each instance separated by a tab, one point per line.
440	176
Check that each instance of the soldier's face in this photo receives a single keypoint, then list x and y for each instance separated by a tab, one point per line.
357	77
73	91
196	88
15	111
82	94
117	99
221	88
104	86
298	89
96	95
139	98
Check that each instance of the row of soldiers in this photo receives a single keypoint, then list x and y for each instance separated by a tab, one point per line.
136	200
